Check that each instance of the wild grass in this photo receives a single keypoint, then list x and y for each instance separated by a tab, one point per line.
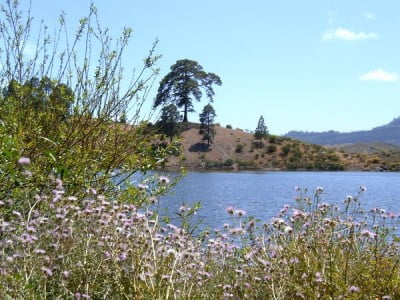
98	248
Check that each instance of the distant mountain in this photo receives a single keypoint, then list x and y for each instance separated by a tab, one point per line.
389	134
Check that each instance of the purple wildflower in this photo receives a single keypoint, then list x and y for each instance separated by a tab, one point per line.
230	210
354	289
368	234
240	212
288	230
47	271
24	161
164	180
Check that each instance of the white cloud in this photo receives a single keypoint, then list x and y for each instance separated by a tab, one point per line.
347	35
370	16
380	75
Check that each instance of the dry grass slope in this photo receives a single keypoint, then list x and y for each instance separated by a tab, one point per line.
234	149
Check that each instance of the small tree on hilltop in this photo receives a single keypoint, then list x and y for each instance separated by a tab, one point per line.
261	130
169	119
185	82
207	123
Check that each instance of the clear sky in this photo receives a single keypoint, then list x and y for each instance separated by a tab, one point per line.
304	65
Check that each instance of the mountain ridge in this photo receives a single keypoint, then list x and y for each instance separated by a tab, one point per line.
388	133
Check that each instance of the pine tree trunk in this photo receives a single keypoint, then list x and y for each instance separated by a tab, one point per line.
185	118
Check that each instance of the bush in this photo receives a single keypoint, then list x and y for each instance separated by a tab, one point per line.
66	122
271	149
229	162
239	148
229	126
258	144
272	139
286	149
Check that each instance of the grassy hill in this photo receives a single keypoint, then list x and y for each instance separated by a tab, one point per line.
388	156
234	149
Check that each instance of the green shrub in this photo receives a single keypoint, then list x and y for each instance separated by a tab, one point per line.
239	148
286	149
66	122
271	149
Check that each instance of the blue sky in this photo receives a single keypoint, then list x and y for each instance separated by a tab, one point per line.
304	65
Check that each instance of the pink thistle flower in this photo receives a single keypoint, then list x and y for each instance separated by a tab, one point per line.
27	238
27	173
39	251
318	277
368	234
123	256
59	184
31	229
17	213
288	230
171	252
91	191
24	161
47	271
240	212
183	208
66	274
164	180
142	187
354	289
230	210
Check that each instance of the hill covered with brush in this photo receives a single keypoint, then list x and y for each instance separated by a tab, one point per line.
234	149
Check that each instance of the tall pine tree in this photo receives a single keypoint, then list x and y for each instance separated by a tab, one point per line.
169	119
261	130
207	124
184	83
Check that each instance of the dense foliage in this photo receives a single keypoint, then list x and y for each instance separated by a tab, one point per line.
168	122
60	111
185	82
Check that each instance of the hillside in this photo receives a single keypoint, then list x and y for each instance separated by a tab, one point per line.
389	134
236	149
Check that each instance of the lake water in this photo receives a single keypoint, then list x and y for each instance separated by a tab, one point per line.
263	194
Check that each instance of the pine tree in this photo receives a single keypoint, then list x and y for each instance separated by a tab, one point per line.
261	130
207	124
169	119
185	82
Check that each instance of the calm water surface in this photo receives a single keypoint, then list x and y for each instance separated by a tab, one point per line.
262	194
